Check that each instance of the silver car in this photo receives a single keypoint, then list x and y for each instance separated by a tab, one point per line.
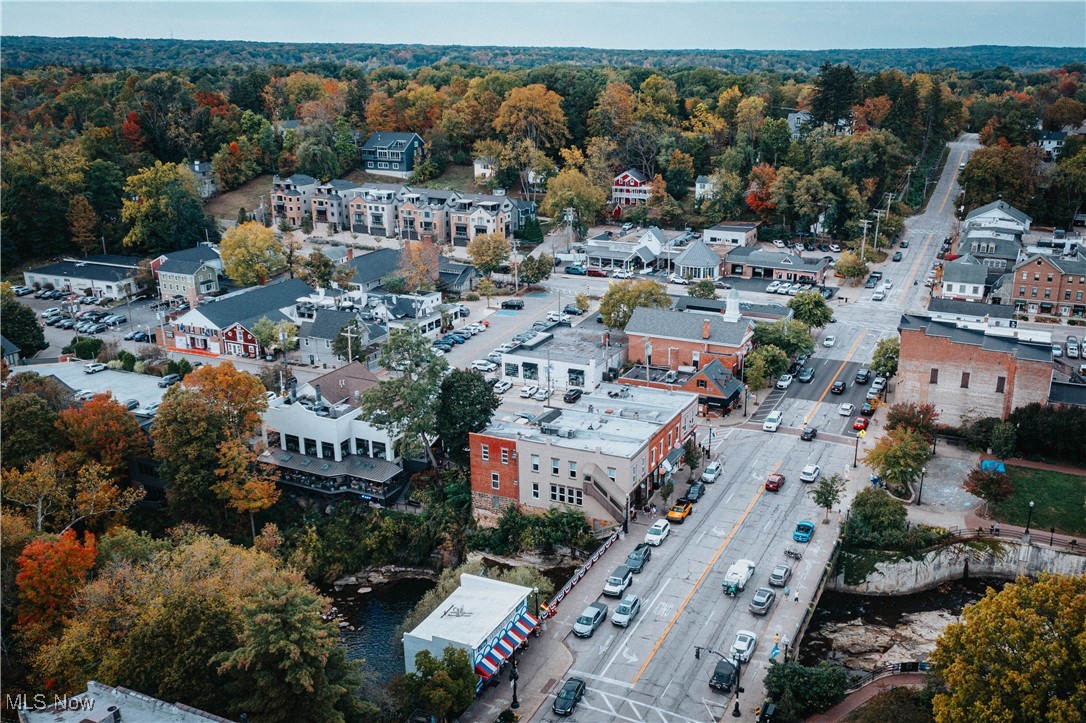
626	611
590	619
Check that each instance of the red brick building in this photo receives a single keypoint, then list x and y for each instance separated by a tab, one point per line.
1048	285
967	373
664	337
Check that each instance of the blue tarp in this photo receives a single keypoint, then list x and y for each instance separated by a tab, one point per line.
993	465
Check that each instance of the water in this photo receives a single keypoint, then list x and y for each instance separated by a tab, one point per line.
885	611
376	616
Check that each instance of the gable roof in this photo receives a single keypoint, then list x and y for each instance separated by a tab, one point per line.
1053	136
970	308
86	270
689	327
965	270
702	180
774	260
177	266
699	255
388	139
7	347
374	266
327	323
196	253
1024	350
1004	208
632	173
719	375
249	306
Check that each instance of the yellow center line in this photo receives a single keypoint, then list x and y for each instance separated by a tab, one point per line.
835	375
719	552
916	262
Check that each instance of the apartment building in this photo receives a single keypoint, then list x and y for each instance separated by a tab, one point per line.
393	154
291	197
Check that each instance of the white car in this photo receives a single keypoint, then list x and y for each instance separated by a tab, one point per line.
773	422
506	347
785	381
556	316
835	248
846	409
773	286
879	384
502	387
51	311
621	274
483	365
94	368
676	279
879	295
528	392
810	473
541	394
658	532
888	284
712	471
745	643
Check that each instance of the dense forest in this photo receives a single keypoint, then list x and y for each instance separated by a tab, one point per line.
148	54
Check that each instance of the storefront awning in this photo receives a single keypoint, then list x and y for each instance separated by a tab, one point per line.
671	461
485	669
506	646
526	624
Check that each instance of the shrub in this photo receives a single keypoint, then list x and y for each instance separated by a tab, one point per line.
127	360
116	365
84	347
140	367
472	296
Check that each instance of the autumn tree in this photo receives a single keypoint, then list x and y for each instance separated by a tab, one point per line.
661	205
271	335
163	210
1003	171
613	113
923	417
237	395
406	405
82	223
620	300
466	405
703	289
572	189
899	457
318	269
419	266
535	113
789	335
725	194
884	359
487	288
1017	654
534	269
40	487
810	307
51	572
827	493
235	163
187	431
52	391
342	278
488	252
850	265
251	254
103	430
246	484
991	486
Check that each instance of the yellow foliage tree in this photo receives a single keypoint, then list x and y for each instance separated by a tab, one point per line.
251	254
419	265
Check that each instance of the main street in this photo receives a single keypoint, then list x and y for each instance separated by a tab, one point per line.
649	672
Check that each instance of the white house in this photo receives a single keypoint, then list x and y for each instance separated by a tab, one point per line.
998	214
698	261
1052	143
101	275
703	187
732	233
964	279
484	167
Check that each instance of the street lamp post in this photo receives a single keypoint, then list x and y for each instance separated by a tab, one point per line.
856	453
1029	518
513	675
923	471
738	688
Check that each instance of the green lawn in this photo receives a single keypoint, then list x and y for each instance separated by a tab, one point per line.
1058	500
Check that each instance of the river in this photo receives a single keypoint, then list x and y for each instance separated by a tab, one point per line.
862	632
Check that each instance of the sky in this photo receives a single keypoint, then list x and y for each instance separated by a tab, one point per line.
716	24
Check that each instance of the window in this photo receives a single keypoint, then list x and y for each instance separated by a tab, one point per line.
1050	278
1001	384
379	450
934	378
1021	290
573	470
976	290
965	380
328	450
702	384
310	446
535	490
484	452
505	456
531	372
361	447
611	472
1048	293
495	480
292	443
535	462
567	495
382	164
1067	295
1033	292
344	448
554	466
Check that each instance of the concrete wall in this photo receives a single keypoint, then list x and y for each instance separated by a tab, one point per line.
976	558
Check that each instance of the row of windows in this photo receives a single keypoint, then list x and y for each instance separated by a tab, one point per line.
362	447
1000	387
1048	293
484	453
1051	278
567	495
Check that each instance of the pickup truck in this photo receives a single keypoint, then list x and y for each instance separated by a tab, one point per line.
735	580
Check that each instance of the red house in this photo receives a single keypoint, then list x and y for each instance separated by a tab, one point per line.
630	188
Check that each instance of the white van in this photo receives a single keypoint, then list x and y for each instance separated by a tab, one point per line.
1072	347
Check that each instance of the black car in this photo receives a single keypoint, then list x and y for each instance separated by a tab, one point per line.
863	376
572	395
640	555
571	693
513	304
838	387
696	492
870	283
599	318
897	256
724	676
572	309
867	409
904	244
806	374
808	433
141	336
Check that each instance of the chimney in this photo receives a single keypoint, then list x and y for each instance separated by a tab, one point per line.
705	329
319	402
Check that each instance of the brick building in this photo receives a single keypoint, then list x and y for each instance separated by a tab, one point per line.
602	454
754	263
968	374
1052	285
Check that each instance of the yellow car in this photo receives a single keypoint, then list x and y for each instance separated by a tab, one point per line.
680	511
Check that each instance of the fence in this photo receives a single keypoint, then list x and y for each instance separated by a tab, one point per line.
793	649
552	604
1037	537
911	666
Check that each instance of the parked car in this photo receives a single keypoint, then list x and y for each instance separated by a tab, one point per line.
806	374
542	394
804	531
780	576
141	336
556	316
483	365
785	381
676	279
712	471
680	511
658	533
513	304
774	482
695	492
846	409
745	643
131	404
861	423
51	311
640	555
597	272
576	271
835	248
724	676
590	619
94	368
863	376
169	380
502	387
868	408
621	274
772	287
66	324
620	579
1057	350
773	422
572	395
763	601
570	694
810	473
838	387
572	309
626	611
808	433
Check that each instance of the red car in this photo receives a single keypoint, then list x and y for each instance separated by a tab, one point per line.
861	423
774	482
597	272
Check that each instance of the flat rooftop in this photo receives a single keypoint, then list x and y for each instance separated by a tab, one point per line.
471	614
563	343
615	419
656	375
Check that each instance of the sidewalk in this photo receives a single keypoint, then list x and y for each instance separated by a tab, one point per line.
866	693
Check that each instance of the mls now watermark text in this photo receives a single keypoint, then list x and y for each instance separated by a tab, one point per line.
41	701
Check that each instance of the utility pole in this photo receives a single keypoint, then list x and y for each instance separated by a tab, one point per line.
863	246
516	265
347	332
879	213
908	182
569	230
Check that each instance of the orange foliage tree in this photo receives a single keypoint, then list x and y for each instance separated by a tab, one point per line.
247	485
51	572
237	395
419	265
104	431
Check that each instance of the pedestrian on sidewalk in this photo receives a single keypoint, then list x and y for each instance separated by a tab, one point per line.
997	529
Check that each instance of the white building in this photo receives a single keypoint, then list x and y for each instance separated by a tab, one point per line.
100	275
487	618
703	187
563	358
732	233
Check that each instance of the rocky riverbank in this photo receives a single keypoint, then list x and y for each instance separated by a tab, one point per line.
373	577
860	646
